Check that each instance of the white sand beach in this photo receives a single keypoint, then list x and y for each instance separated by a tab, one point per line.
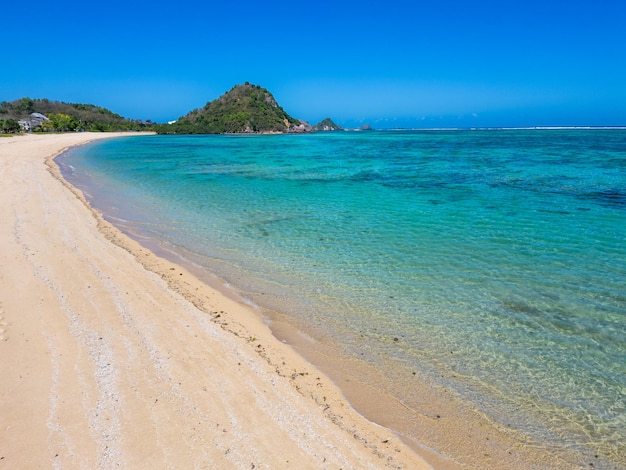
113	357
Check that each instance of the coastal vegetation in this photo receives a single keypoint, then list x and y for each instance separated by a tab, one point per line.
9	126
63	117
245	108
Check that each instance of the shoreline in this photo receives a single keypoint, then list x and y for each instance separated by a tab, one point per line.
423	412
431	417
428	416
115	356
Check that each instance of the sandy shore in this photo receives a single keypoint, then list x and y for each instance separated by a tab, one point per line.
114	357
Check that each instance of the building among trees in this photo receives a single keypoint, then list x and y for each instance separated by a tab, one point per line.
34	121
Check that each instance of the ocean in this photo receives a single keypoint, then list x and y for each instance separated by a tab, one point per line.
491	263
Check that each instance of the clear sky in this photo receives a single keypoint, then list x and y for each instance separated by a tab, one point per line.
402	63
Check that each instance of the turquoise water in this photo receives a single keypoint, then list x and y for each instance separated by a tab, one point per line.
493	262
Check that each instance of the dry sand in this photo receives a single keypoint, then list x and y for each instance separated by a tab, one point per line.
114	357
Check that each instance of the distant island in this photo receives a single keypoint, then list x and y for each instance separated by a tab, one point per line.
327	125
245	109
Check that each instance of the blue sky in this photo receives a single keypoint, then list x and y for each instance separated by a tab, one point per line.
391	64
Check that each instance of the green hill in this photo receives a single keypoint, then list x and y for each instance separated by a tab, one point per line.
327	125
244	109
69	116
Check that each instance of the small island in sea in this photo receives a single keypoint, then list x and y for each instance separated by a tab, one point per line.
327	125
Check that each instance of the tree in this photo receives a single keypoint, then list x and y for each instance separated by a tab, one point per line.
9	126
25	105
62	122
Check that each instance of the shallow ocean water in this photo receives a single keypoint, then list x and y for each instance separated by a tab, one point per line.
493	262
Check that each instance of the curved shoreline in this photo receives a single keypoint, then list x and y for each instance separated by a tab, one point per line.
460	431
115	356
431	417
419	408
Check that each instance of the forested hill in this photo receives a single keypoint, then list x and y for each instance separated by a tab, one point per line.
70	116
244	109
327	125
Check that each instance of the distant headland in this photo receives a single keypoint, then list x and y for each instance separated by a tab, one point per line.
245	109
